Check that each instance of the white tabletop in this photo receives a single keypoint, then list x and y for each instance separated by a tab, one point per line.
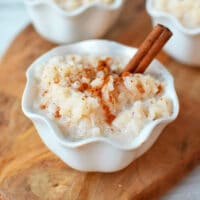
13	18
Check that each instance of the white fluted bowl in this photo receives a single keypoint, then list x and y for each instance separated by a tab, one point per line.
89	21
184	46
99	153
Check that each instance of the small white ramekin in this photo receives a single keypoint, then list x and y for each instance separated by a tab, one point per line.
184	46
89	21
100	153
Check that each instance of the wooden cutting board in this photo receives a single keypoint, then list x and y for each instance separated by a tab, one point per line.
28	171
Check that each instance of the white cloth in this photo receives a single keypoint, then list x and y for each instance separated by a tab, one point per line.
13	17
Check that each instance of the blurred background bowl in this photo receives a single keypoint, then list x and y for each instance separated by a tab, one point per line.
184	46
91	20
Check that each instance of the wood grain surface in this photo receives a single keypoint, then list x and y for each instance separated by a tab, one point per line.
28	171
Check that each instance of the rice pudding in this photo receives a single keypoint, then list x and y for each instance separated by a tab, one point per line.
74	4
86	97
186	11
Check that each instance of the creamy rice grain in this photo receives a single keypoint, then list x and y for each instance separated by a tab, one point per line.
186	11
86	97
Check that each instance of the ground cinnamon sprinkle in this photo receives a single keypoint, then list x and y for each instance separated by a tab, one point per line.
109	116
103	66
43	106
96	91
83	87
57	113
89	72
114	94
112	97
140	88
106	68
159	89
118	81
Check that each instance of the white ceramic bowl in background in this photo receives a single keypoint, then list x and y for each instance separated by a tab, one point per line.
184	46
89	21
99	153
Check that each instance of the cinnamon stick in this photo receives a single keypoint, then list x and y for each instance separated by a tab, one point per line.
149	49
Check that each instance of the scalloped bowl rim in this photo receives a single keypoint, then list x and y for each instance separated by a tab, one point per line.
157	13
83	8
138	140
